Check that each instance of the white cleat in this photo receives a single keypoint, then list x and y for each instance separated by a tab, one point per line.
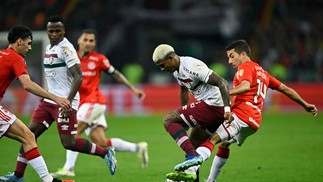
143	153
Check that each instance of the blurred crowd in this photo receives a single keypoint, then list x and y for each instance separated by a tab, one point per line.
285	35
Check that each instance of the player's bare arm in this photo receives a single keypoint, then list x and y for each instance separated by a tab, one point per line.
122	79
35	89
293	95
218	81
184	95
77	80
243	87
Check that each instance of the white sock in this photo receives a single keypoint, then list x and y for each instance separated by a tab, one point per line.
121	145
216	167
204	152
71	157
40	167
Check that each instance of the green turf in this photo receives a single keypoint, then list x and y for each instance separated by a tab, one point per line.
288	148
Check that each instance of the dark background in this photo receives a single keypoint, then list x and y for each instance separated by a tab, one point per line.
285	35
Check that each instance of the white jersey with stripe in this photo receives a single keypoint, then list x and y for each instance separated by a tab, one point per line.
194	74
57	61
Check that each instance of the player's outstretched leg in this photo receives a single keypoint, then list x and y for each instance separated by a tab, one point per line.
10	178
190	161
143	153
110	160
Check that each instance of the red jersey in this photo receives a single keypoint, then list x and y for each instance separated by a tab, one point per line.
91	67
248	106
12	66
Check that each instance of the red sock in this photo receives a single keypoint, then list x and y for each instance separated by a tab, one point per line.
22	160
223	152
180	136
109	142
208	145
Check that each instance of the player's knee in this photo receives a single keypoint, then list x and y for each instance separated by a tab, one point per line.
169	118
29	136
69	145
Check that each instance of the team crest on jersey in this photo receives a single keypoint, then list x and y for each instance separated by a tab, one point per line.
241	72
66	51
91	65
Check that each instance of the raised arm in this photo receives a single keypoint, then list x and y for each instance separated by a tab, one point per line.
293	95
122	79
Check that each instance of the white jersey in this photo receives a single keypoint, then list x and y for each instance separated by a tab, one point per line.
57	60
194	74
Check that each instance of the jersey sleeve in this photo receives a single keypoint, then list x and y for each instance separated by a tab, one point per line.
69	55
245	72
19	67
273	82
203	72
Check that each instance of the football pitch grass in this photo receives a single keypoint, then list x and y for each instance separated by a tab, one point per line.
288	148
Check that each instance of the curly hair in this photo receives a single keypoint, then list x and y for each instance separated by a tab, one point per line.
19	31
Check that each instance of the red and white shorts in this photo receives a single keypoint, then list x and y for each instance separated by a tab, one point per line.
93	114
6	120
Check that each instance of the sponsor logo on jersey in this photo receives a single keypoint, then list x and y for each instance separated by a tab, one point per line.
190	72
88	73
93	58
50	73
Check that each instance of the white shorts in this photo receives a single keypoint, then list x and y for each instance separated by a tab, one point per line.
93	115
6	120
236	131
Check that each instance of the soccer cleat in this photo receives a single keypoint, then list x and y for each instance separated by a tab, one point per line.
190	161
110	160
63	172
10	177
181	176
143	153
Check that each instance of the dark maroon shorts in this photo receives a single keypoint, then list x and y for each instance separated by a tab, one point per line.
46	113
199	114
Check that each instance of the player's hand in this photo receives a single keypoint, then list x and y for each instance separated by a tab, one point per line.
65	112
311	108
63	102
228	117
139	93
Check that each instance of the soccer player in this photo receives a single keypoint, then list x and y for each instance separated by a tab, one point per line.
91	113
64	77
250	85
12	65
211	108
